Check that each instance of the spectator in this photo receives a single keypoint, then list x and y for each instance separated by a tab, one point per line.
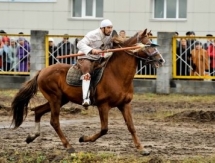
183	59
75	45
65	48
188	33
2	31
122	34
190	39
52	52
209	41
211	53
21	35
23	54
199	60
7	58
13	54
177	42
1	53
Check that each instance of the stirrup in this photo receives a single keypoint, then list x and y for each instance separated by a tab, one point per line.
86	102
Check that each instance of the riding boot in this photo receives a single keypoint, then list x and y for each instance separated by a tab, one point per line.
85	90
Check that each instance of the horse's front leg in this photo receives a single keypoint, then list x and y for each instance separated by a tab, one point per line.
103	113
126	112
39	112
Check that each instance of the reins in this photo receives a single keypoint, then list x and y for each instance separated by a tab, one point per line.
135	54
146	60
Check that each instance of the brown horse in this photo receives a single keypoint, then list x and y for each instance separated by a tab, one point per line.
115	89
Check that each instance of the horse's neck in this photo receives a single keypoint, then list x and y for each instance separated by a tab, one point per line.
123	65
127	60
131	41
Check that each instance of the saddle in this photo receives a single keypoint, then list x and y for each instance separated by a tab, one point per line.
74	74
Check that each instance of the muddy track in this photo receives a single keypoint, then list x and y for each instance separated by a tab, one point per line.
182	134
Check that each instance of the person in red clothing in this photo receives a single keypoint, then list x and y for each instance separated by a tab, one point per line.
211	53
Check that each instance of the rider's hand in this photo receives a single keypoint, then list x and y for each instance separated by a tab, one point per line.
95	51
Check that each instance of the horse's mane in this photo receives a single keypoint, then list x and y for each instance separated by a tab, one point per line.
119	41
126	42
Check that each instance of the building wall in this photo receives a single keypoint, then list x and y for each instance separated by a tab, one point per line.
130	15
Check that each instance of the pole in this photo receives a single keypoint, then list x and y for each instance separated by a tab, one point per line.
140	46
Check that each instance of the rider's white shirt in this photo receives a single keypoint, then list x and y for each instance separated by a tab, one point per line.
93	40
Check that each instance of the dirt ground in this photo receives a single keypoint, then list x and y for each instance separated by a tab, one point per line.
171	130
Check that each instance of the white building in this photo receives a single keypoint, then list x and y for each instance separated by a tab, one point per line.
76	17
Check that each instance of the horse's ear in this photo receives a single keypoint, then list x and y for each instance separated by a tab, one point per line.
144	33
114	33
149	33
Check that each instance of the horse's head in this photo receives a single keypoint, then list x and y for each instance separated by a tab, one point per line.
149	53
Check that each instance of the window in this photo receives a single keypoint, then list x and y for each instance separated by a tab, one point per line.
28	0
170	9
87	8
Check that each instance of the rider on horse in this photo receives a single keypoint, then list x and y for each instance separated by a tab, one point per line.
91	45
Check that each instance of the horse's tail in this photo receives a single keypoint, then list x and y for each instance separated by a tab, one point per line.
20	102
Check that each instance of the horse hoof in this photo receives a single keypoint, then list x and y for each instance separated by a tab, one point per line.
145	153
81	139
28	139
71	150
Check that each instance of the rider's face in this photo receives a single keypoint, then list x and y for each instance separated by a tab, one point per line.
107	30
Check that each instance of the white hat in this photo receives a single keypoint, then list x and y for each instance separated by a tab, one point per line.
12	39
105	23
51	39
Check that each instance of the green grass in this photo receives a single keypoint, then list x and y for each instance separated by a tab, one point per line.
86	157
62	157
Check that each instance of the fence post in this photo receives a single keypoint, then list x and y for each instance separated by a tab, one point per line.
164	74
37	55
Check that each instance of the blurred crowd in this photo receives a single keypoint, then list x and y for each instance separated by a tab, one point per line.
64	47
194	57
15	52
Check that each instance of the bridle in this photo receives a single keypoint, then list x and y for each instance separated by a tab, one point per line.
150	56
148	45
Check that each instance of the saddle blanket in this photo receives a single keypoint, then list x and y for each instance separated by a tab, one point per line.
74	74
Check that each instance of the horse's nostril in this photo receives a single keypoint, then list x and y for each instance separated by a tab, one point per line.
161	60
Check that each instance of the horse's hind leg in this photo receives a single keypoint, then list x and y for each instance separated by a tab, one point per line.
55	105
103	113
126	112
39	112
